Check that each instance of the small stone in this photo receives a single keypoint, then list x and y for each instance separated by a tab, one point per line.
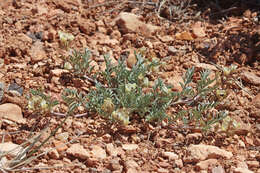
148	44
55	80
253	164
258	157
78	151
204	66
24	38
206	164
114	165
194	136
164	164
198	30
162	170
131	164
172	50
12	148
40	9
106	40
184	36
68	5
4	162
218	169
129	129
166	38
250	78
135	138
86	26
58	72
128	22
241	144
202	152
60	146
175	81
12	112
95	66
51	34
129	146
2	90
53	153
98	152
16	87
242	128
115	34
37	52
256	101
242	170
179	163
111	150
63	136
132	170
170	155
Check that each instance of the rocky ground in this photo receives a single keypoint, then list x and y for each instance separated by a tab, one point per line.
184	35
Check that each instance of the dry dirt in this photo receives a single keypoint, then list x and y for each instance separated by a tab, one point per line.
30	52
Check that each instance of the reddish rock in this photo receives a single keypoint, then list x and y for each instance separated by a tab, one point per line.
194	136
5	4
128	22
24	38
132	170
253	164
131	166
62	136
198	30
251	78
78	151
206	164
60	146
162	170
242	170
175	81
204	66
256	101
202	152
98	152
37	52
86	26
41	9
170	155
179	163
129	146
12	148
12	112
218	169
111	150
53	153
58	72
68	5
114	165
242	128
166	38
115	35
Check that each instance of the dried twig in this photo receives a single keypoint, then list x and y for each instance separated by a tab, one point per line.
76	116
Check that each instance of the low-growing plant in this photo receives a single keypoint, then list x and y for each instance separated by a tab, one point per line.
79	63
65	39
120	93
42	105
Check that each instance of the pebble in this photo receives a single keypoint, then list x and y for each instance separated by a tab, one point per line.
12	112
